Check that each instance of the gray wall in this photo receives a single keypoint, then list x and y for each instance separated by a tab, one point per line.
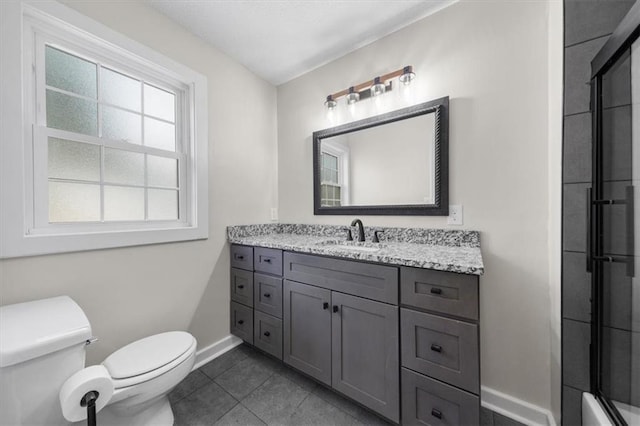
588	25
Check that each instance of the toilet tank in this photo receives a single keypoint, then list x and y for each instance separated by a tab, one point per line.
42	343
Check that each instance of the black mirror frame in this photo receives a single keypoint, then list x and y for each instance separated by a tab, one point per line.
440	207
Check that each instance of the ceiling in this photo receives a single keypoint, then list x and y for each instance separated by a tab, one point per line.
283	39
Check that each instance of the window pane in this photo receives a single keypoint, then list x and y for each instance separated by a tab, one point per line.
73	160
159	103
66	112
123	167
162	171
123	203
121	125
163	204
159	134
120	90
73	202
70	73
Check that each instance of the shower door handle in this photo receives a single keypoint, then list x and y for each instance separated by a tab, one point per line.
589	248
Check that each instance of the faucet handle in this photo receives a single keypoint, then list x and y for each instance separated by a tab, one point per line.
349	235
375	236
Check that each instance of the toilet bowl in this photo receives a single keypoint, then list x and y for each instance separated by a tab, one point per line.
42	345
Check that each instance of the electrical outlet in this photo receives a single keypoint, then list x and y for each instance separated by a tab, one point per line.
455	215
274	213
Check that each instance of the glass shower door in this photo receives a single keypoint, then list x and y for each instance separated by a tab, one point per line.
617	286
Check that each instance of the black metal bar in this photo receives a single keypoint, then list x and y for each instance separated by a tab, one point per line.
631	237
609	202
589	248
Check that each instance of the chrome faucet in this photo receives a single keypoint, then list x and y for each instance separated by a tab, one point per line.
357	222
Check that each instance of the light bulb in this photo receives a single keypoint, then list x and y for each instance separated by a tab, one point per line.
352	96
407	75
378	88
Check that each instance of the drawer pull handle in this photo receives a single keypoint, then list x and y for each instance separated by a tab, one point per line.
335	308
240	322
267	260
267	295
325	305
240	257
241	286
436	348
436	413
435	290
267	334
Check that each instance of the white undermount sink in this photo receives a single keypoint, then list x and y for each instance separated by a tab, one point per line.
356	248
352	246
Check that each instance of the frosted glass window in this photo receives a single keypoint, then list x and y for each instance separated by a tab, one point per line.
120	90
121	125
163	204
123	167
73	160
159	134
70	73
66	112
162	171
159	103
123	203
73	202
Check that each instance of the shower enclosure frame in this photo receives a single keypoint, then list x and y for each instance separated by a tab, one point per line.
620	41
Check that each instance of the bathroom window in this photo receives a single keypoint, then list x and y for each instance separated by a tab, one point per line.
334	174
114	153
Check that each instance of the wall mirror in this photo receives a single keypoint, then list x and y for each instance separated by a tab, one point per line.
391	164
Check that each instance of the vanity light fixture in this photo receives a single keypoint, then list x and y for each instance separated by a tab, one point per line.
375	87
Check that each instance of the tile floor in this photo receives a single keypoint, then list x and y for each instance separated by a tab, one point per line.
245	387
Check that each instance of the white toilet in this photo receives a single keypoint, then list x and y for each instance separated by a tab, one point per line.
42	344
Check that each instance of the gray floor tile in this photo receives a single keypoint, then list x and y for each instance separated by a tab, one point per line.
275	400
203	407
576	287
224	362
195	380
240	416
316	411
571	406
299	379
244	377
574	217
361	414
576	336
577	148
500	420
486	417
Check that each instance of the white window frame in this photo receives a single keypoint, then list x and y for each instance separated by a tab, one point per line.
342	153
24	226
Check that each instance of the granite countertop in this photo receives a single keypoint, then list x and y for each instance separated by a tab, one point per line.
439	249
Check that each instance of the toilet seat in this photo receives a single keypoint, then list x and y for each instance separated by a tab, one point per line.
149	358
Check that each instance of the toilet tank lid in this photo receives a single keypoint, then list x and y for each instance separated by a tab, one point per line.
32	329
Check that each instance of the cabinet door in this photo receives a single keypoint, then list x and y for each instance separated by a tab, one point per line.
307	329
365	359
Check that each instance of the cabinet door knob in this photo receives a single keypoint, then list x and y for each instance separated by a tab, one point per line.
240	322
325	305
267	295
241	286
266	333
436	413
436	348
335	308
436	290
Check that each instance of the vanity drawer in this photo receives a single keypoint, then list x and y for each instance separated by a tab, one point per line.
267	294
267	334
268	260
439	291
377	282
242	257
429	402
242	286
242	322
442	348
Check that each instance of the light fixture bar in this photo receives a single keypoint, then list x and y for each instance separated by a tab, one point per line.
405	72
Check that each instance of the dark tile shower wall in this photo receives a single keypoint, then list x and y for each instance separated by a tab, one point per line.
587	26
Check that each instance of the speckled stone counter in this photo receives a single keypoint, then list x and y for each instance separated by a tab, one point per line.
439	249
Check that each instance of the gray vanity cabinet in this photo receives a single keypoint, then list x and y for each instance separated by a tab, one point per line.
365	352
307	329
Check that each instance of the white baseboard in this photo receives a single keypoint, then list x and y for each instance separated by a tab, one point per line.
216	349
514	408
